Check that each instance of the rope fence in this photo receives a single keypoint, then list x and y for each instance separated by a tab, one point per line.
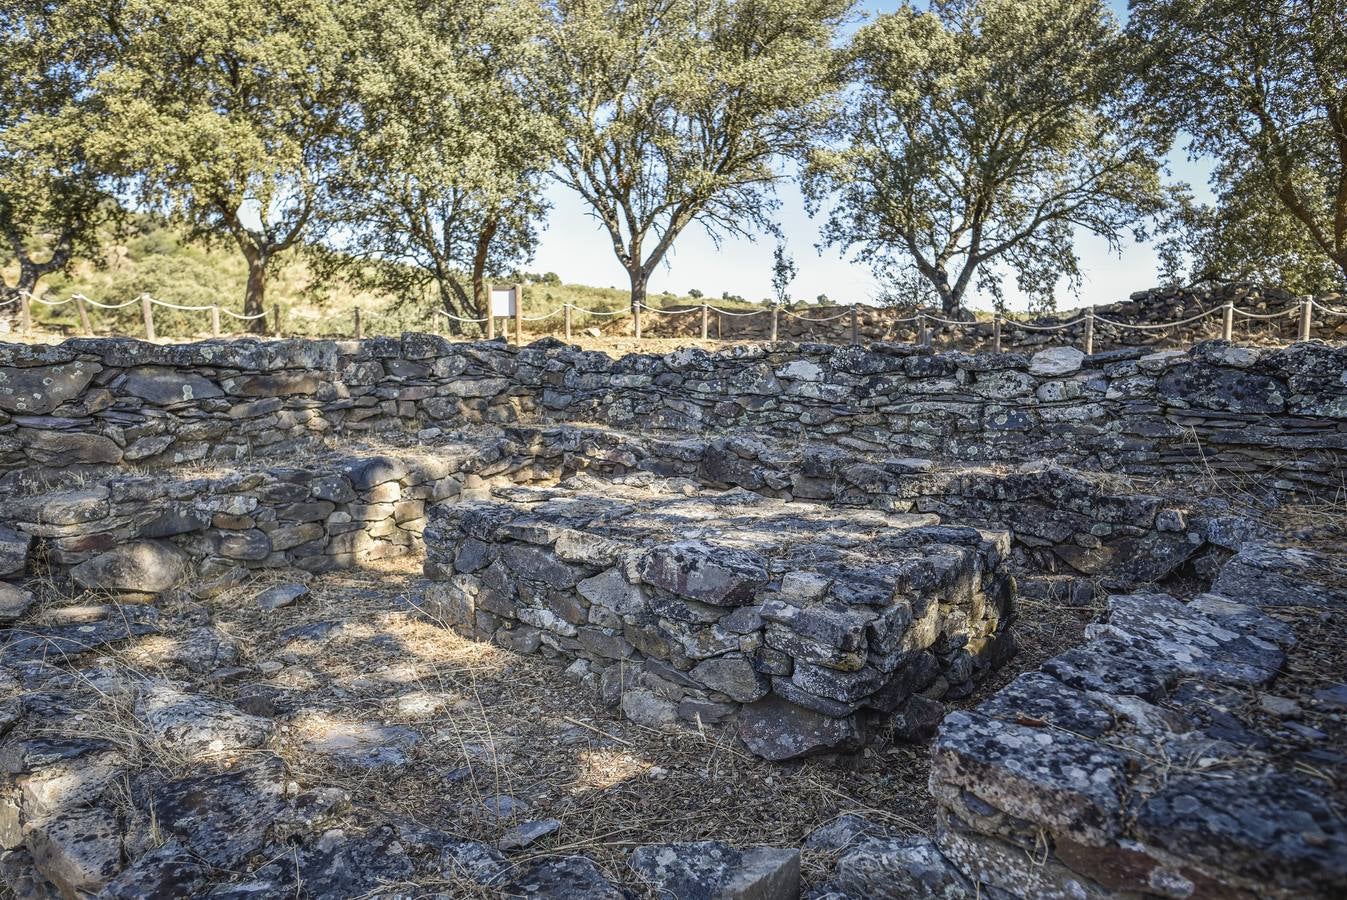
1089	319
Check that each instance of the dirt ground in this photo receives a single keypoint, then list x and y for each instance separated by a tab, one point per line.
481	722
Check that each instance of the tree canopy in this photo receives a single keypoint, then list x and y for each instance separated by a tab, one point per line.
981	135
678	111
444	182
233	117
1262	89
55	188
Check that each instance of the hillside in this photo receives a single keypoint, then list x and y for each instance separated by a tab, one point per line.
155	259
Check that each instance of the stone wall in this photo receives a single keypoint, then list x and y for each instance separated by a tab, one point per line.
804	623
1218	408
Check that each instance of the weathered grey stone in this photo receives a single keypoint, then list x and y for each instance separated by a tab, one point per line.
78	851
13	552
223	818
193	724
168	387
363	745
38	390
527	833
899	868
704	572
148	567
778	730
14	602
648	710
1056	361
711	870
562	878
58	449
611	590
733	676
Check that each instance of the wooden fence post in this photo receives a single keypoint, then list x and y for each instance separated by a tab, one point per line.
855	324
923	332
1228	321
518	315
776	315
1306	318
25	314
147	310
84	316
706	320
996	333
359	327
276	318
636	318
1089	331
568	321
215	320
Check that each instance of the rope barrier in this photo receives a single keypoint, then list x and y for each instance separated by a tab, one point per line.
1252	315
447	315
671	312
841	315
598	312
1201	315
707	308
1328	309
1045	327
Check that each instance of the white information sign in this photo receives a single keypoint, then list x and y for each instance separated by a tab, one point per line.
502	301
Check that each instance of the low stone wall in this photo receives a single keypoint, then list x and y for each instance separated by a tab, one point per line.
804	622
1068	528
1223	409
1119	769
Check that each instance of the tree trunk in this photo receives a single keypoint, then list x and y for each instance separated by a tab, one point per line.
479	259
254	297
449	293
639	281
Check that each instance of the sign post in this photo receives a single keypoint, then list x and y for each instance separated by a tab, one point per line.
505	303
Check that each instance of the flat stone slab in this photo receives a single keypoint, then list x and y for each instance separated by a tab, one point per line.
811	619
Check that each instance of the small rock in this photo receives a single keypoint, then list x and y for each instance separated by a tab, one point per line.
503	806
526	833
282	595
1281	707
648	710
193	723
562	878
1335	695
365	746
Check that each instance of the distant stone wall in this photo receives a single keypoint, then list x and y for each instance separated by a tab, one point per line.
1217	408
1158	306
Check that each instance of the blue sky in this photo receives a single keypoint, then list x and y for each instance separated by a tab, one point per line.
575	246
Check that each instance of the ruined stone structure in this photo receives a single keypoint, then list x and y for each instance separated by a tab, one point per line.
803	543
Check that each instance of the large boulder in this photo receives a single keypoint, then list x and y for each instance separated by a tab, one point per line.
140	567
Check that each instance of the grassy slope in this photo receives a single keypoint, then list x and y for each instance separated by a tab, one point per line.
156	260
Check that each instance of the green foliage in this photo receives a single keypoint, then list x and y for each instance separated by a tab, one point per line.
443	183
982	135
1262	89
675	111
783	273
54	190
232	116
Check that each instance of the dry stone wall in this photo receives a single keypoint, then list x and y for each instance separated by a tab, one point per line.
99	403
805	622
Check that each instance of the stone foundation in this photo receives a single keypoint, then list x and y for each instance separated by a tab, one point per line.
807	623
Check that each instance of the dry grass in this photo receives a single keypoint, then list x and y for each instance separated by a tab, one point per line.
518	726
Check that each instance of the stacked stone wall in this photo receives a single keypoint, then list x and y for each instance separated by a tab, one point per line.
1216	409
